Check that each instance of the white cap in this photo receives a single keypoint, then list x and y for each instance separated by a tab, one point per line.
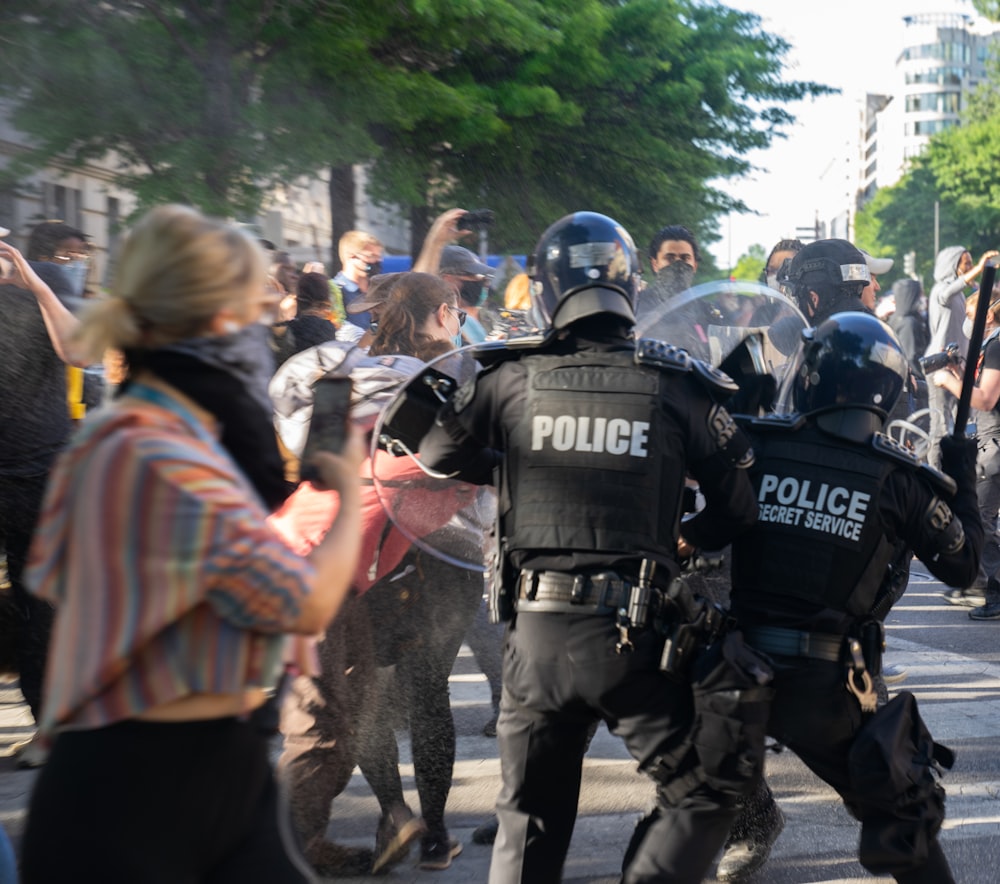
877	265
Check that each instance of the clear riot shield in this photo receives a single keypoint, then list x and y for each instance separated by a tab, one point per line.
747	330
444	516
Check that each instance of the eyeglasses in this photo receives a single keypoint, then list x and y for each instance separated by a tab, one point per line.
71	256
460	313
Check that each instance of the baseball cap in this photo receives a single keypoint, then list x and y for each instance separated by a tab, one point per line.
838	259
459	261
877	265
379	289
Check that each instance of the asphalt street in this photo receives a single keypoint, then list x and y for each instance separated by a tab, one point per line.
953	666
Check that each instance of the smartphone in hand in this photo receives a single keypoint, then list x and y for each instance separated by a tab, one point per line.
328	426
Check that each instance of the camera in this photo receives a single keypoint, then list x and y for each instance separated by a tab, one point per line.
936	361
476	219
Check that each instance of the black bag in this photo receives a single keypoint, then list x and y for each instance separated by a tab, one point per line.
895	763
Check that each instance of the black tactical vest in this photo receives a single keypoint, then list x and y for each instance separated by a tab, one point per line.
594	465
819	536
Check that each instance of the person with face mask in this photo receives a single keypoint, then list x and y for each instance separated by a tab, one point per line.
38	303
173	593
408	611
983	596
470	279
673	257
954	272
360	259
784	250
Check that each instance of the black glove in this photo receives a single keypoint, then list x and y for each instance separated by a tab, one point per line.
958	460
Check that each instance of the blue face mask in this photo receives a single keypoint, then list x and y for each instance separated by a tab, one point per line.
77	273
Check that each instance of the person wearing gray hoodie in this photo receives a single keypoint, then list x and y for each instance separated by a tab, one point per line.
953	272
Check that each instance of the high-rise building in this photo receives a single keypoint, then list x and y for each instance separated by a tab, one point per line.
942	62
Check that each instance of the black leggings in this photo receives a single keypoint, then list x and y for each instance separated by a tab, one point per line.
144	803
418	623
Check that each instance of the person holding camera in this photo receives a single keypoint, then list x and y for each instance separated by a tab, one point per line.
953	273
985	399
589	437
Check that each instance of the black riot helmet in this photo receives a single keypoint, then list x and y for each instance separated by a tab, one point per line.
832	268
852	361
584	264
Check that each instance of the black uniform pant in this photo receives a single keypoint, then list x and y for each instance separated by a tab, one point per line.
20	504
561	673
816	717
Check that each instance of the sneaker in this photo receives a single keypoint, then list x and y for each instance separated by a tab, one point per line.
397	830
970	597
744	856
989	611
437	853
893	673
486	833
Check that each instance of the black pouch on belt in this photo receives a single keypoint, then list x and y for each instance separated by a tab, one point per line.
895	763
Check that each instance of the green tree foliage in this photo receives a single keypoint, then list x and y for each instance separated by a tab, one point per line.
988	9
750	264
198	100
532	108
632	111
960	170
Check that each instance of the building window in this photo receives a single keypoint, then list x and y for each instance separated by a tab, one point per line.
934	102
63	204
943	76
957	52
928	127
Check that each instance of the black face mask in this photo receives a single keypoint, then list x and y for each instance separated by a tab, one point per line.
674	278
473	292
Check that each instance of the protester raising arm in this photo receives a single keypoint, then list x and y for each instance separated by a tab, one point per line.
60	323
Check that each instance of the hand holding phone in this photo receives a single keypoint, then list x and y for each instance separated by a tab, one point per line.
329	423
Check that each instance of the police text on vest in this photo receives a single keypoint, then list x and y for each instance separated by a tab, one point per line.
566	432
828	509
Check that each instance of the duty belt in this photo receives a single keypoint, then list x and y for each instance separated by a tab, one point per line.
793	643
556	592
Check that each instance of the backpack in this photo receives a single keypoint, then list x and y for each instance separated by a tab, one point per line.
376	381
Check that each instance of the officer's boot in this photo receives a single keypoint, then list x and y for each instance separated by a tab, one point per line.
756	829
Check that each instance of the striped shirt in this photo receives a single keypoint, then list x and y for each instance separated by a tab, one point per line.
166	578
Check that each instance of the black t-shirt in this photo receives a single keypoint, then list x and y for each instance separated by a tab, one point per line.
988	422
34	415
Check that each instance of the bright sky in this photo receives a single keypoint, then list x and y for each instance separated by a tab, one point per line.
848	44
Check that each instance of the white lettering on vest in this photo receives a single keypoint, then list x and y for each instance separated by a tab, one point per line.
835	509
565	432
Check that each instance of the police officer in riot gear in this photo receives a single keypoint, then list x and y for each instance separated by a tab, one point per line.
826	277
836	499
589	436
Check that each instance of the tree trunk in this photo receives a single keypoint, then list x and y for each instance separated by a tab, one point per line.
343	212
419	225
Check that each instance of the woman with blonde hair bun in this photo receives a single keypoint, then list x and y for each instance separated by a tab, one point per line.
172	593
